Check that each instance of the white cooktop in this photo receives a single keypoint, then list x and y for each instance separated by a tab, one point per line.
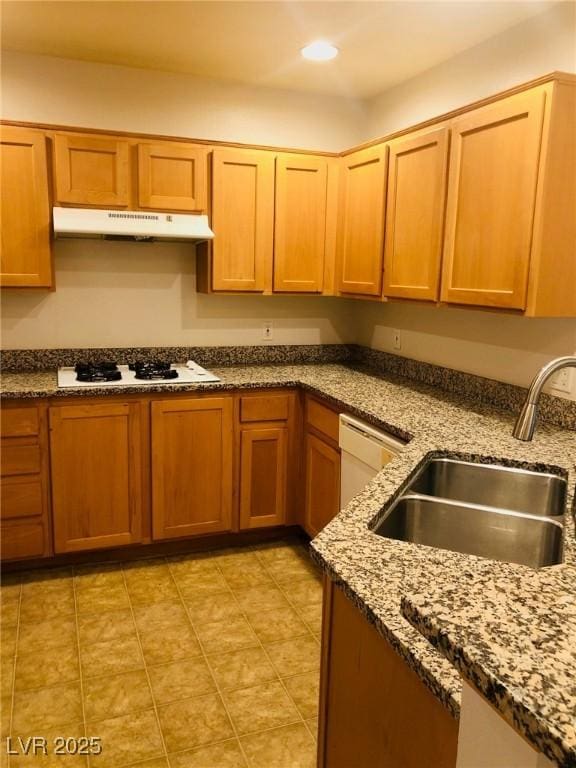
191	373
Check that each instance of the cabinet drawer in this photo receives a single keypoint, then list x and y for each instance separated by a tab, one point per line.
20	498
19	422
264	408
323	419
22	540
20	459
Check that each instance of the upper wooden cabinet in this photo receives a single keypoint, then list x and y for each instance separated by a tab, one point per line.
172	176
361	225
25	257
97	490
415	215
491	200
91	170
192	447
242	220
300	223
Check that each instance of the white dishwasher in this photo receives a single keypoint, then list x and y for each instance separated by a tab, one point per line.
365	450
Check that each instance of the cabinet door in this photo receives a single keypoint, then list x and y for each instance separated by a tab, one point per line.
263	473
242	220
322	483
491	198
96	457
172	176
415	210
361	239
300	223
25	258
191	466
91	170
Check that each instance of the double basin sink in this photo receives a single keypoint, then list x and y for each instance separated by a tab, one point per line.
497	512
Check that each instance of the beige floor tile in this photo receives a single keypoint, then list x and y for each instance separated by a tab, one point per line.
42	668
40	608
203	609
312	615
98	599
100	575
228	635
51	587
261	707
225	754
48	575
126	739
9	609
6	676
53	759
280	624
186	569
206	583
194	722
151	583
293	569
180	680
305	691
312	724
5	715
111	657
102	627
261	598
115	695
293	657
278	552
234	555
240	574
241	669
304	594
169	644
8	637
58	632
46	708
10	585
290	746
156	762
160	616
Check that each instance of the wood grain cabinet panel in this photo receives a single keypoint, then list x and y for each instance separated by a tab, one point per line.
242	220
416	201
96	452
300	223
322	499
263	475
192	466
25	254
91	170
172	176
494	162
361	235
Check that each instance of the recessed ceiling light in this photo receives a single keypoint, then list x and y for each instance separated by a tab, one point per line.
319	50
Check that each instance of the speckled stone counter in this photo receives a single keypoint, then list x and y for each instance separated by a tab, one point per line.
376	573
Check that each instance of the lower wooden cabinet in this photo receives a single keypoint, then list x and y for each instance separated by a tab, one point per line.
97	494
322	483
263	475
375	712
192	466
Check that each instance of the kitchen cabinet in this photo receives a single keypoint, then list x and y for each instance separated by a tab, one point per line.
192	466
322	468
24	502
415	208
97	489
91	170
172	176
239	259
266	424
25	257
300	223
361	221
374	710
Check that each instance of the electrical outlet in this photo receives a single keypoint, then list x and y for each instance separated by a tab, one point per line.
267	330
562	381
396	340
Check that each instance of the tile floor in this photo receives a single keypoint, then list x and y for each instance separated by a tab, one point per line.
193	661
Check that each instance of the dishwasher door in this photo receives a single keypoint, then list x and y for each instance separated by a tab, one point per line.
364	451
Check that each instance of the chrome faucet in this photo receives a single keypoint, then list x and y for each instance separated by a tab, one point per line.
526	421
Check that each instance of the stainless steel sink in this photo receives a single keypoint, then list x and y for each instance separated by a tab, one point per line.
497	534
533	493
489	510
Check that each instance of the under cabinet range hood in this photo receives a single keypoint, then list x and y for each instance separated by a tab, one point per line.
144	226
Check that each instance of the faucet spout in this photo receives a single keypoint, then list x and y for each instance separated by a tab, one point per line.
526	421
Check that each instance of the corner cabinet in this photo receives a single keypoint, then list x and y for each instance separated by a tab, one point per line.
192	466
361	221
97	470
25	257
322	470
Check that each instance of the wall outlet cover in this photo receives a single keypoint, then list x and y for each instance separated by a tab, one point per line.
563	381
267	330
396	339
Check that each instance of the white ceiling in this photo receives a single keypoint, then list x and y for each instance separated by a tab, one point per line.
382	43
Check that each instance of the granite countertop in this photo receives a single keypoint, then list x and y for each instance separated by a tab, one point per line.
377	573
